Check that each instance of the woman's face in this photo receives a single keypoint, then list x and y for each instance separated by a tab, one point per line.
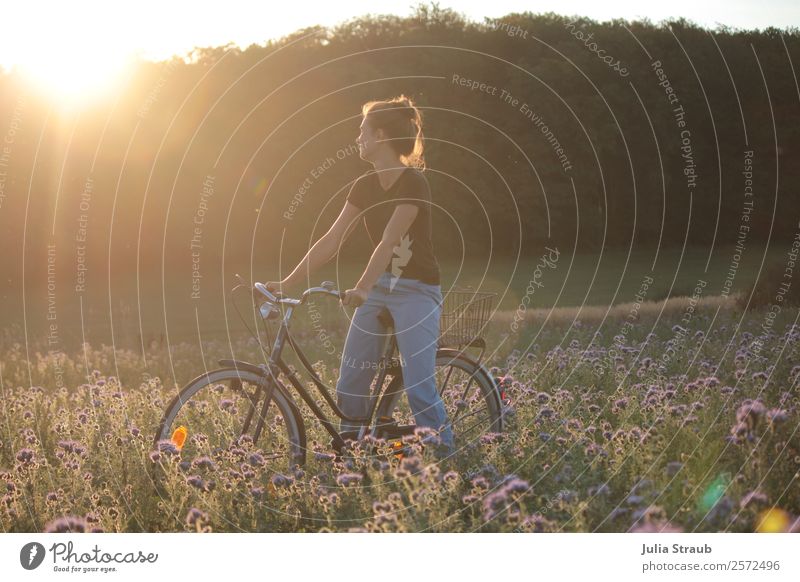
368	141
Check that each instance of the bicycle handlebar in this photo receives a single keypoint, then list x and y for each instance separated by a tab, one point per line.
327	287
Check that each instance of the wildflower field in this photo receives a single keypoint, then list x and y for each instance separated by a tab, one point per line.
655	425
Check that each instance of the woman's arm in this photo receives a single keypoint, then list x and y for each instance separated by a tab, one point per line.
396	228
326	247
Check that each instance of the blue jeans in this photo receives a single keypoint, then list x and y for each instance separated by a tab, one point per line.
416	308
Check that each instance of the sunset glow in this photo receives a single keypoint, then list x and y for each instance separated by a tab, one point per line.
77	50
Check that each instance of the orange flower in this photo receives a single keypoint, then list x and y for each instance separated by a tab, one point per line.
179	436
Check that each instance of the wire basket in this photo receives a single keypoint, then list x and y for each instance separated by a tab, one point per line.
464	315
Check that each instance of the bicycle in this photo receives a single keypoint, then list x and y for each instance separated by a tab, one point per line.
242	401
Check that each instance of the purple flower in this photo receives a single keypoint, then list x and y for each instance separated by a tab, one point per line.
602	489
659	526
73	447
536	523
490	437
195	517
574	424
750	412
480	482
450	476
348	479
256	459
197	482
673	467
204	462
67	524
514	484
777	415
381	507
412	465
278	480
25	456
167	447
505	499
754	497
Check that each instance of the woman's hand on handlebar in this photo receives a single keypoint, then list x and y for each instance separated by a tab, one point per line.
276	287
354	297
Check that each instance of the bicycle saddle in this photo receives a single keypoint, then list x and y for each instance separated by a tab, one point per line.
385	317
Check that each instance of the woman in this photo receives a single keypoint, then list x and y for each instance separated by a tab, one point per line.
402	275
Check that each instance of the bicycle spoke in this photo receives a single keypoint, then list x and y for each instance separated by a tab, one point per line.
474	412
236	385
465	432
464	396
446	380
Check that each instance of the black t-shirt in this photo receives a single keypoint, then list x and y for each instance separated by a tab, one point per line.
378	205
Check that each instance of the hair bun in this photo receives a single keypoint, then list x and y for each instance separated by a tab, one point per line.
408	105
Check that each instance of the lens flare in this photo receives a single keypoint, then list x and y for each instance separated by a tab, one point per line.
713	493
773	520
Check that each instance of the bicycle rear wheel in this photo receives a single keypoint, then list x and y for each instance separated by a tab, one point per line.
471	400
223	415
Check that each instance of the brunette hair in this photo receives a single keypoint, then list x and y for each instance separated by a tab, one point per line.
400	119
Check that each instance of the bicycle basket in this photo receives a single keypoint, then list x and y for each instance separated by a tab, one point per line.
464	316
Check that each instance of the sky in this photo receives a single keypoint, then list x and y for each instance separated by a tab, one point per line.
77	43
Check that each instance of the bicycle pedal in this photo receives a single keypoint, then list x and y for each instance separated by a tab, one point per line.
399	450
398	430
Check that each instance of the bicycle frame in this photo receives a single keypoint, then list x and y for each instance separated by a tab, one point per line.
276	364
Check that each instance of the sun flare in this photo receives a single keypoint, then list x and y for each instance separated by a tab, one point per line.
74	55
72	74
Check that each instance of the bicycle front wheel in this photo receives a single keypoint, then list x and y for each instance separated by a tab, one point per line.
470	397
223	409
